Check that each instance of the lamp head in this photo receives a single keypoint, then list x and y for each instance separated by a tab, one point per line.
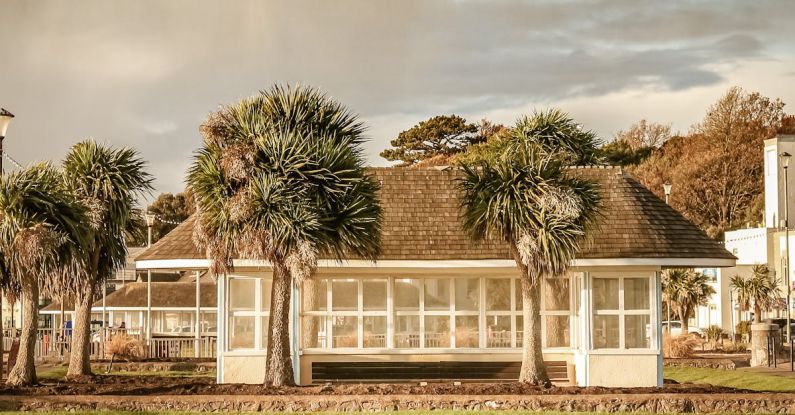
667	188
784	156
5	119
150	219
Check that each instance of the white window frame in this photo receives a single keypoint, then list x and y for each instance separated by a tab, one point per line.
258	313
621	312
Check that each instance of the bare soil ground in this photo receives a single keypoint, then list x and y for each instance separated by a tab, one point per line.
155	385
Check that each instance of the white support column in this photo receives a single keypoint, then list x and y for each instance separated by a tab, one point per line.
221	328
148	306
198	317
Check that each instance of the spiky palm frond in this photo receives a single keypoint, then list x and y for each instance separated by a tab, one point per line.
529	200
41	224
686	288
282	175
556	133
107	182
759	289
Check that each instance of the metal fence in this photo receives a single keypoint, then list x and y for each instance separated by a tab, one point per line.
57	343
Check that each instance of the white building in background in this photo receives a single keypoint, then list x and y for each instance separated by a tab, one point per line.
756	245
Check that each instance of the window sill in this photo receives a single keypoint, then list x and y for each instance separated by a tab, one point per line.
356	351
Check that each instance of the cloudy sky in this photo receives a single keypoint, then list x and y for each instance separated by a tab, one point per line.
146	73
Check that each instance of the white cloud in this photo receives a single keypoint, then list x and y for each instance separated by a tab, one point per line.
160	127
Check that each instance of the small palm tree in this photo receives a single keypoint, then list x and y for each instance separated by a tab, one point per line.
525	197
40	228
106	182
684	290
760	291
280	177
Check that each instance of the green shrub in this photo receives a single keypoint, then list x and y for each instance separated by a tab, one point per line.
743	328
713	333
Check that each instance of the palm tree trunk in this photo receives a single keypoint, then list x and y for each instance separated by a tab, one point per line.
80	358
24	371
279	365
757	313
683	317
2	329
533	370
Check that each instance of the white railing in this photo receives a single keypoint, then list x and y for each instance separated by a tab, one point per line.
182	347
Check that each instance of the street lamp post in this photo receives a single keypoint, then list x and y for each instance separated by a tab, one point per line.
5	120
784	156
667	189
150	222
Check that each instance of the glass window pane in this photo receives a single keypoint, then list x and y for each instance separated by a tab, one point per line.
344	295
407	294
498	330
265	297
637	332
467	294
466	331
241	332
209	323
498	294
345	331
314	295
636	293
556	294
241	294
313	332
407	332
265	327
605	332
437	331
557	331
605	293
374	295
374	331
437	294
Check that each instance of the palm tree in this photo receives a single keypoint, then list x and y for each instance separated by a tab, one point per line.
106	182
760	291
280	177
40	227
684	290
525	197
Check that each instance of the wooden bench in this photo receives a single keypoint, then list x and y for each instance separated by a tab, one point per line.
427	371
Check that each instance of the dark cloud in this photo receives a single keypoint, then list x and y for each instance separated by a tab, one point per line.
146	74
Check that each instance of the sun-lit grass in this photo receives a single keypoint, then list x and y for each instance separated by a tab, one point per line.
444	412
740	379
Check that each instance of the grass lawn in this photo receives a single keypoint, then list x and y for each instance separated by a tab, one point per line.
346	413
742	379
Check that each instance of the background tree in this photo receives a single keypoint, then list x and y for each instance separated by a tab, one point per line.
524	197
760	291
172	209
717	169
686	289
40	227
634	145
106	182
442	135
281	177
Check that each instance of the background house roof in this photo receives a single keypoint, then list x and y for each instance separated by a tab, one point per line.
164	294
421	222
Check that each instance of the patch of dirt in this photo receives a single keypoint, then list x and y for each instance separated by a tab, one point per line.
154	385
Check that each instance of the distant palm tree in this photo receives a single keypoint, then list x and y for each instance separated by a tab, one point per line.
281	177
106	182
760	291
40	230
685	289
525	197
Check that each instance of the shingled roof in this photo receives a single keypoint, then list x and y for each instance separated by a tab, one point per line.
421	222
164	295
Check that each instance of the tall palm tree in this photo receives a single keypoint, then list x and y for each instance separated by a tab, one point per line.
107	182
527	199
684	290
40	228
760	291
280	177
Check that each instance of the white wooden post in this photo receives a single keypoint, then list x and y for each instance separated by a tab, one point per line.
148	306
198	317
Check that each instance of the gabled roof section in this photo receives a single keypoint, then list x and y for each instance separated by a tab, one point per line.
421	222
164	295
